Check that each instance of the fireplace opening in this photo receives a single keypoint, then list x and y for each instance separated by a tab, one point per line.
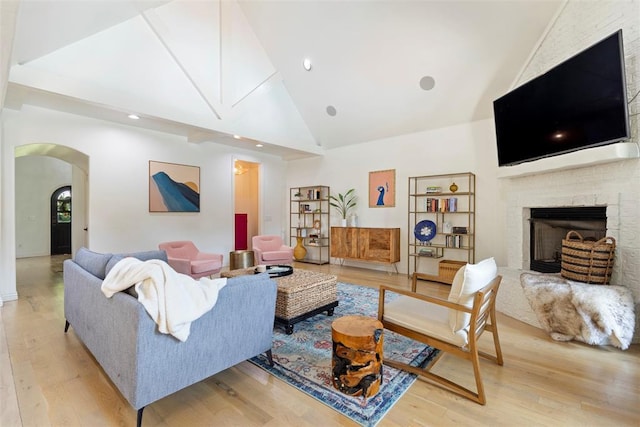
549	226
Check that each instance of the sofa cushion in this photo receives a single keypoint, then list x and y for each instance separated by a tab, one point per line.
94	262
113	261
147	255
142	256
476	277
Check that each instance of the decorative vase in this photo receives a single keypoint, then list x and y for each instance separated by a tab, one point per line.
453	188
353	220
343	222
299	252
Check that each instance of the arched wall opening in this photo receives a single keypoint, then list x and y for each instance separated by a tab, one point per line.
79	163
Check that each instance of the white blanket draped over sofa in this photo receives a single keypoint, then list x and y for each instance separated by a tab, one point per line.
567	310
173	300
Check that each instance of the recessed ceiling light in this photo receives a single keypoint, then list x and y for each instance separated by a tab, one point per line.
259	145
133	117
306	64
427	83
237	136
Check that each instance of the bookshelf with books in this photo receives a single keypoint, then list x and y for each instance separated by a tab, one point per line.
309	222
441	224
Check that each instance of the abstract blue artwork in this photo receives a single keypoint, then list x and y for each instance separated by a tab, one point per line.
173	187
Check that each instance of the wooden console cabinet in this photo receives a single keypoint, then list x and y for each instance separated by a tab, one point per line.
366	244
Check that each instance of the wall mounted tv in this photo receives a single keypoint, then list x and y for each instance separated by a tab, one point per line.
578	104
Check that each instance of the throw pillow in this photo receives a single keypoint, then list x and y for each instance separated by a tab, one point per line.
474	277
113	261
95	263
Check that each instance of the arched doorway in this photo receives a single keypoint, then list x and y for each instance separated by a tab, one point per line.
61	221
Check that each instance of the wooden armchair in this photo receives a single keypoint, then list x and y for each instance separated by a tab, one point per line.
452	326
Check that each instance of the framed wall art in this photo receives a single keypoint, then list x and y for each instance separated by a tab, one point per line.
382	189
173	187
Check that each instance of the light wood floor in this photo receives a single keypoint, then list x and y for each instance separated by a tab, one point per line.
57	382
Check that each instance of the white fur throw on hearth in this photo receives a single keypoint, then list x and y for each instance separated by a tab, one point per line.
594	314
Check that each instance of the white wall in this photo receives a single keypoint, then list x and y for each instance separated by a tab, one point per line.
118	209
463	148
36	179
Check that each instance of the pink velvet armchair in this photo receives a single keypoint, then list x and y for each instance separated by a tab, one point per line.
270	250
184	257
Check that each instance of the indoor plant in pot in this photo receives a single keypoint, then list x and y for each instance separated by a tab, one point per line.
344	203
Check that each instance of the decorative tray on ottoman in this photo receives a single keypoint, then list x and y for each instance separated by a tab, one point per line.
279	270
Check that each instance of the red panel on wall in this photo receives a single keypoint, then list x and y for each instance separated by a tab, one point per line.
241	232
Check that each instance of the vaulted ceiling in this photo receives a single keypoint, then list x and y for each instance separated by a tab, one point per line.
212	69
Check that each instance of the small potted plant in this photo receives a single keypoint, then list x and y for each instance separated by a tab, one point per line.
344	203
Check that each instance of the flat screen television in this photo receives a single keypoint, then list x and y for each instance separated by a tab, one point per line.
578	104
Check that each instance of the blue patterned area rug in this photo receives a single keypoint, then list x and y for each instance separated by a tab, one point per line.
303	359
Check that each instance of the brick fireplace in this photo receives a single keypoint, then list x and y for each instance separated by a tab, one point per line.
613	186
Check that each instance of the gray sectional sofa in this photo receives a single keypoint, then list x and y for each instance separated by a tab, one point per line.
146	365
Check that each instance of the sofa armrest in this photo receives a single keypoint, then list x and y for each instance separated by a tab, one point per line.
109	327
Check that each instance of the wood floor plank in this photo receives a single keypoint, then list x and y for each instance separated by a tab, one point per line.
9	411
54	380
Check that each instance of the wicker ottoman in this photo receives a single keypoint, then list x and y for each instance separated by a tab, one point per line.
304	294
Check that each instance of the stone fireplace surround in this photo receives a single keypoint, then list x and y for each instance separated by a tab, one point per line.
614	185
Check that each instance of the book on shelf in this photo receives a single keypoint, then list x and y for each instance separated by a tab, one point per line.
314	194
434	190
454	241
436	204
428	252
460	230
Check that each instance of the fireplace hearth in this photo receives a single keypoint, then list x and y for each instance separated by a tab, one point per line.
550	225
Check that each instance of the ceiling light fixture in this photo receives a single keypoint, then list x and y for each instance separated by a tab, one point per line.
331	110
306	64
427	83
237	136
133	116
259	145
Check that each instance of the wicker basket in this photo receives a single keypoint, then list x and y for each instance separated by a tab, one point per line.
589	262
447	269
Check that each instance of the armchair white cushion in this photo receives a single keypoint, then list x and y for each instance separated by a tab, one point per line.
420	316
467	281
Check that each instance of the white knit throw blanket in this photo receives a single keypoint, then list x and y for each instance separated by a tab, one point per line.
173	300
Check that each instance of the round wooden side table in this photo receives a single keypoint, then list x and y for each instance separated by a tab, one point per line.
357	355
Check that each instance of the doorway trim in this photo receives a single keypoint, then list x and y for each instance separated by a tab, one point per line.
247	199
